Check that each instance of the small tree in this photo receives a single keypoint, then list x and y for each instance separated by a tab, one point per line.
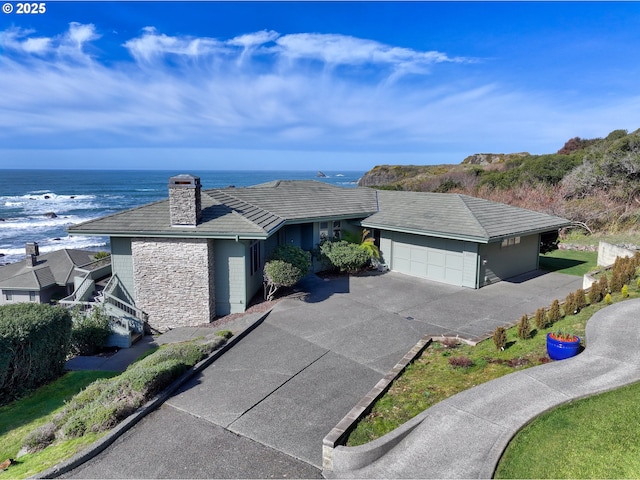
570	304
604	283
615	285
554	312
500	338
580	299
524	328
277	274
287	265
595	293
540	319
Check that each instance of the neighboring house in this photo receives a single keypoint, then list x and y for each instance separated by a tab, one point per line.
200	254
54	275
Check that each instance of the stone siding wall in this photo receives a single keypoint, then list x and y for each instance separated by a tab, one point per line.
174	281
184	205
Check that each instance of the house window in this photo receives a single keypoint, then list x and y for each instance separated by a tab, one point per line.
324	231
337	229
32	296
255	257
508	242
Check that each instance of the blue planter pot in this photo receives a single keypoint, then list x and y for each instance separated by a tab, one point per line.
561	349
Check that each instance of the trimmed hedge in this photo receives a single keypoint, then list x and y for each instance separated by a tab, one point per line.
34	343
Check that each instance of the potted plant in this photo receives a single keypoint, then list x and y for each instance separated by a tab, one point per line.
561	345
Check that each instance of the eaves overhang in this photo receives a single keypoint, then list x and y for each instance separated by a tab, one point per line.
176	234
426	233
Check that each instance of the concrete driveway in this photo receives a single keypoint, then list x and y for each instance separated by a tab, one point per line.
279	391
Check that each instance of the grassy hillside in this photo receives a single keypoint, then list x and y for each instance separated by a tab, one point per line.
595	181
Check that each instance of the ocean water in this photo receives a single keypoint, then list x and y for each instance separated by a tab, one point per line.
39	205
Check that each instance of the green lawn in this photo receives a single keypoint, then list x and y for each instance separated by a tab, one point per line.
19	418
597	437
571	262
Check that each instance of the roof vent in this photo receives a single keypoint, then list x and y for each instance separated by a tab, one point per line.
185	207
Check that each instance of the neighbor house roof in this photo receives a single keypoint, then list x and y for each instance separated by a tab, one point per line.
260	210
53	268
457	216
248	212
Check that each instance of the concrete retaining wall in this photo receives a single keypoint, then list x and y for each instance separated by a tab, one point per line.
607	253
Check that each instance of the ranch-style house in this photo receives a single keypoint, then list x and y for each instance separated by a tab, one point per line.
200	254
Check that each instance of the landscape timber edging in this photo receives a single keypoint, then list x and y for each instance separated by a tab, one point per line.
338	434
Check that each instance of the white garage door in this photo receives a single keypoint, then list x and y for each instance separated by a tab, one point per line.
435	259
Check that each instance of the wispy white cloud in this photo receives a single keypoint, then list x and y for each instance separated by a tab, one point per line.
264	90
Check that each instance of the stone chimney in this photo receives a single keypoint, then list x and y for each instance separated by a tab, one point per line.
185	208
32	251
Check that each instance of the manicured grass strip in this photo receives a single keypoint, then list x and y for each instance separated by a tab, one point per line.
19	418
571	262
597	437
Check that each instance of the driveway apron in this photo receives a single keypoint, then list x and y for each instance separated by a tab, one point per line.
292	379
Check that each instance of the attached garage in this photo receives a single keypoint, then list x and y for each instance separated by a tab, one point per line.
439	259
458	239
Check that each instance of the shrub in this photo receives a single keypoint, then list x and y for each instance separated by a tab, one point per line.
595	293
287	265
106	402
554	313
90	331
500	338
625	291
580	299
450	342
345	256
277	274
524	328
40	438
34	343
227	334
460	362
604	283
293	255
570	306
540	319
615	285
607	299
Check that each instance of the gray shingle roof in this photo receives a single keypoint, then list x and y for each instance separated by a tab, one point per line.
52	268
457	216
250	212
260	210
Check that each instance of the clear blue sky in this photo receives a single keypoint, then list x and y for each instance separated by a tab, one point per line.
300	85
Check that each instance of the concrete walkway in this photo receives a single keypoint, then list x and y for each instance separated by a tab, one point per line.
465	435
